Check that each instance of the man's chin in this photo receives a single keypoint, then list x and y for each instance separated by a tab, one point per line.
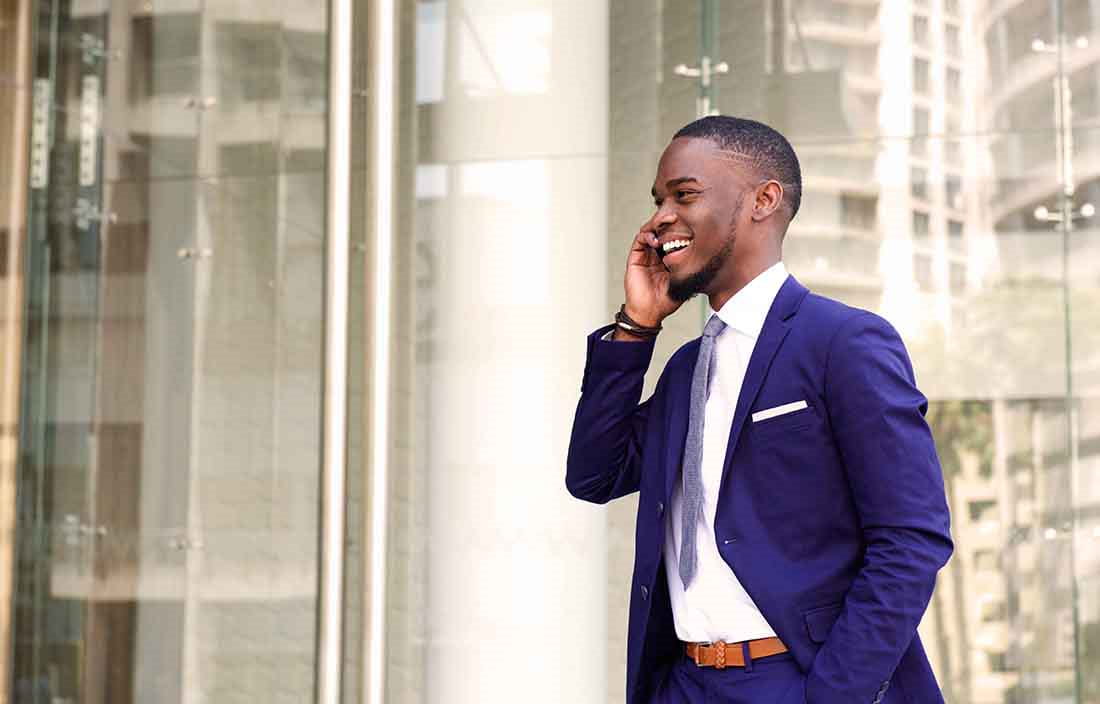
683	289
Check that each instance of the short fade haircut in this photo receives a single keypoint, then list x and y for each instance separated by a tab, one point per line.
768	151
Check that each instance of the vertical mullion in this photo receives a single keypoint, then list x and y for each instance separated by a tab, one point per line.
334	428
382	68
19	52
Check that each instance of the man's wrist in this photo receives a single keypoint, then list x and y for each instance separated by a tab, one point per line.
634	330
649	321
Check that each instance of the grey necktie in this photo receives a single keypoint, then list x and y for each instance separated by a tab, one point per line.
693	450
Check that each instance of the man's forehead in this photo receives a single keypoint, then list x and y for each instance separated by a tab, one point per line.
701	149
699	160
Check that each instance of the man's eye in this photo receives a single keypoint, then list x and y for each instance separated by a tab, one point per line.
684	194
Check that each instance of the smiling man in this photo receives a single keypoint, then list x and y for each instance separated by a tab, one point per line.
791	513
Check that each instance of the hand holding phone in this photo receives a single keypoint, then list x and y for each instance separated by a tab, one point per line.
646	282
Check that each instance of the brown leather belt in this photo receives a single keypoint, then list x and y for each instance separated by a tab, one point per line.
722	654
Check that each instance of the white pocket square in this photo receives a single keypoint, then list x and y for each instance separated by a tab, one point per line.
778	411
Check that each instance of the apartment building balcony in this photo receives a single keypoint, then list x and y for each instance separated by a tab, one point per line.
1041	183
990	11
1036	66
863	83
840	167
834	255
838	32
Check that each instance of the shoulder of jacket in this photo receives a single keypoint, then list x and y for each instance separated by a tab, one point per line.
831	315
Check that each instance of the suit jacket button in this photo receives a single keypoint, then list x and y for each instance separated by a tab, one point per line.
660	507
645	592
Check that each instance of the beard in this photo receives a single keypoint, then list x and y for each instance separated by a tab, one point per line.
688	287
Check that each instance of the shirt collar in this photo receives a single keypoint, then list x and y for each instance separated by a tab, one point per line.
746	310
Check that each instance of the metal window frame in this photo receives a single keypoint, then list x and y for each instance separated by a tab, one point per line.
381	17
330	608
382	66
11	334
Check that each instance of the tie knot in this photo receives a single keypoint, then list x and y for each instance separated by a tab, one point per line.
714	326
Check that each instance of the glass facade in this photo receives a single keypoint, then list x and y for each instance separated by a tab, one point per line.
170	416
163	212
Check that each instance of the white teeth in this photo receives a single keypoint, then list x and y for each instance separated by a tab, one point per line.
674	244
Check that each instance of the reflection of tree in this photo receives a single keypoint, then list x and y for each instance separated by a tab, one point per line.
963	432
963	429
1003	342
1090	676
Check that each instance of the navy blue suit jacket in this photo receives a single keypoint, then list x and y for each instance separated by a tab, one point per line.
833	517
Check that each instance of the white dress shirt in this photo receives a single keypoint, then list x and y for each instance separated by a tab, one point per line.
716	606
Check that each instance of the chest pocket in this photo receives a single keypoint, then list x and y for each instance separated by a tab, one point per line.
790	422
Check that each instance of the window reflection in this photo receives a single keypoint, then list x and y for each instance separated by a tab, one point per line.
503	51
168	509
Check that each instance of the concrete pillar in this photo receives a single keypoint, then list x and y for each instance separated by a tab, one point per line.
512	190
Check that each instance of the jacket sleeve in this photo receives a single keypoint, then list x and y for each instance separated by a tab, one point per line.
605	448
877	416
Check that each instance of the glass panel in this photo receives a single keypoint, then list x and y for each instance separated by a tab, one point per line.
172	396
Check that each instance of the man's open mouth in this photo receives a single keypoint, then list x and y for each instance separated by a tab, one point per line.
672	247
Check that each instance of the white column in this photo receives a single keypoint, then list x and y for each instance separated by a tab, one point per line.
516	568
900	301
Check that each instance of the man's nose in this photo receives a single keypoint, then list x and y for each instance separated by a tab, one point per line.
662	218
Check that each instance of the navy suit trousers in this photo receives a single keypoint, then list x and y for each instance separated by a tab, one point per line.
776	679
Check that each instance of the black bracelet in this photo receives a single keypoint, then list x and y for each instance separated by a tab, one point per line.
625	322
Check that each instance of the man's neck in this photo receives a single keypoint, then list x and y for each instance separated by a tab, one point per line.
743	278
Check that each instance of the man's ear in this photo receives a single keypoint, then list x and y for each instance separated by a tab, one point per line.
769	197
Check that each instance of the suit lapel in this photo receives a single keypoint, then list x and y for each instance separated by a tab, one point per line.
776	327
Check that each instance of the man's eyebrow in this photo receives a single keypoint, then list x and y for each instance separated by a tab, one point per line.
672	183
